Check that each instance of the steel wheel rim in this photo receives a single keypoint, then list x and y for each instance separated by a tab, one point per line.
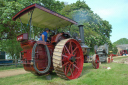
108	60
111	58
97	61
72	59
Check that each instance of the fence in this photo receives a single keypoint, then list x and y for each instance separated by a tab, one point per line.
10	62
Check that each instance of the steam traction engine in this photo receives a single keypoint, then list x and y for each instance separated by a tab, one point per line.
102	51
62	53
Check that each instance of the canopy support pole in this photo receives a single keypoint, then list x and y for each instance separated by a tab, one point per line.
70	31
30	24
22	25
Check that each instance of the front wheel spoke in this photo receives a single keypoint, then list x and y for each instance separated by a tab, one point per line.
67	49
75	66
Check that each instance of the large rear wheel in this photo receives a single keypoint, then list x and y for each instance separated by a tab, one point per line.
68	59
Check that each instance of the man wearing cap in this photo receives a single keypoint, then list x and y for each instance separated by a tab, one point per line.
44	35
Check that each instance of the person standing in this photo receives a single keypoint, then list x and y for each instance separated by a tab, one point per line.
44	35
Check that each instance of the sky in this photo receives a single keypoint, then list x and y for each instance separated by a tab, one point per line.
114	11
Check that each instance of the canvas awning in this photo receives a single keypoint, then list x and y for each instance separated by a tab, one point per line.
42	17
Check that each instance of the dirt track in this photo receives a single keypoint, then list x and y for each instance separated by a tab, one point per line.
7	73
119	56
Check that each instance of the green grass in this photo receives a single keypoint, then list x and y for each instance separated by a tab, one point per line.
10	67
117	75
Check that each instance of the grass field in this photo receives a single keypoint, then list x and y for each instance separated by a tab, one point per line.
10	67
117	75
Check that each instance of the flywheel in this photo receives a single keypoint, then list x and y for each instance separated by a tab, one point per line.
68	59
95	61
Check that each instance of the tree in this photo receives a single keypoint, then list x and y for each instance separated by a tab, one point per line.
121	41
96	30
10	29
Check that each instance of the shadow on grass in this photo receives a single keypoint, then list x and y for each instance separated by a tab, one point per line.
86	69
89	68
43	77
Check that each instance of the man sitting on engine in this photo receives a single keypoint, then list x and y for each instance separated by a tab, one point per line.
44	35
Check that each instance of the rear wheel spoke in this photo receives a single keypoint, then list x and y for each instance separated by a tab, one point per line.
74	53
65	64
77	58
65	56
65	69
67	49
72	68
71	72
68	68
74	50
64	51
70	46
75	66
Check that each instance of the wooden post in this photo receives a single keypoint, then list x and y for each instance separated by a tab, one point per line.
15	62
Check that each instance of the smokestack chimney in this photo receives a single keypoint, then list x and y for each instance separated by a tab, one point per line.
81	33
82	36
81	30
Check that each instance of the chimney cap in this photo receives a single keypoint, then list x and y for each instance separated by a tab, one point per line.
80	25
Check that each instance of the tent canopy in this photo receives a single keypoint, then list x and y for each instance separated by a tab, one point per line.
42	17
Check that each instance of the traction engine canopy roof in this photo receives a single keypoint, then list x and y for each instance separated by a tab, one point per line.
43	17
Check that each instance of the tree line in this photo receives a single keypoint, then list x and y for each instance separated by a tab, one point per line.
96	30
